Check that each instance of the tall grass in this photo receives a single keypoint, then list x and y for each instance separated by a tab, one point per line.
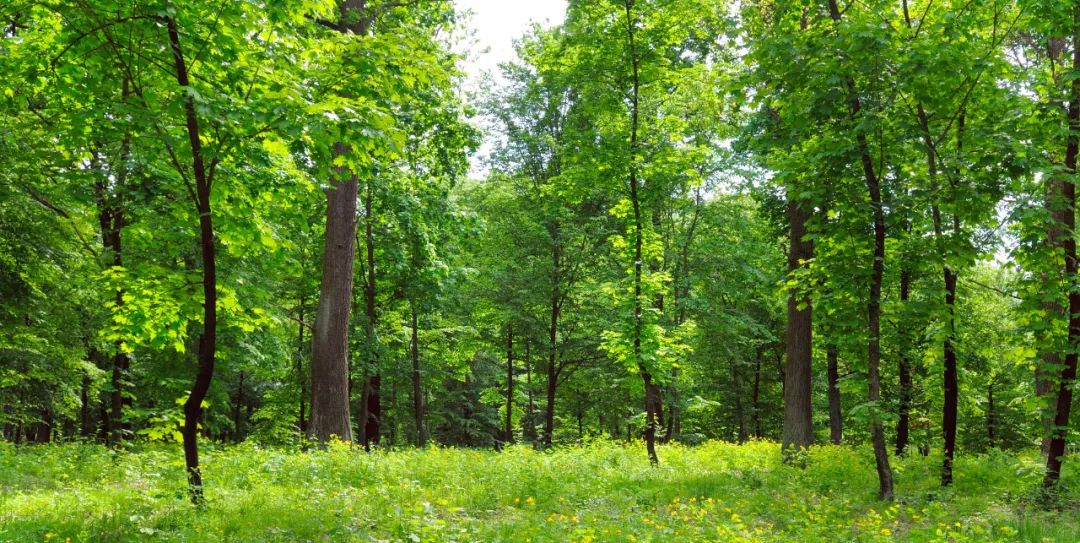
597	492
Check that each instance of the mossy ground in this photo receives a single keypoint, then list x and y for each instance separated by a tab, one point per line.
598	492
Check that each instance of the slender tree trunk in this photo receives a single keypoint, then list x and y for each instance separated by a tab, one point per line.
86	425
798	412
903	423
1067	377
301	421
529	429
111	218
755	394
238	434
508	432
373	421
836	418
873	363
991	420
740	414
951	393
635	99
553	329
193	408
417	394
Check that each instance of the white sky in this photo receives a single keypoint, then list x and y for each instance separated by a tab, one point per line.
497	23
492	26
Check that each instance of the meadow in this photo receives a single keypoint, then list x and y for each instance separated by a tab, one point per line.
594	492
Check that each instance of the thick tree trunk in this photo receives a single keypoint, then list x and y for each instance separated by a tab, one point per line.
1067	377
1050	357
873	362
331	384
836	419
238	431
330	340
86	424
193	408
798	430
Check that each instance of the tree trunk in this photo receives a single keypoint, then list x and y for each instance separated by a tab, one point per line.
951	392
991	421
553	328
238	434
740	415
373	421
755	393
193	408
1055	314
836	418
798	412
1067	377
873	187
330	381
508	432
635	99
903	423
330	342
417	395
529	424
301	421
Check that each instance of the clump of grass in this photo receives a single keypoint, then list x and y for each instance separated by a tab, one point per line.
595	492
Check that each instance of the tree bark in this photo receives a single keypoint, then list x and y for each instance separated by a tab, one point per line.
330	381
991	420
508	432
417	393
1067	377
193	409
798	432
635	115
301	421
903	423
740	413
553	329
330	342
373	421
1045	373
529	424
755	393
873	363
238	434
836	418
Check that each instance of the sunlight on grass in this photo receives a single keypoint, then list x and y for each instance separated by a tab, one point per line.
598	492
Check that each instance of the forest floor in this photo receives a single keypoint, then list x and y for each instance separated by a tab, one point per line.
599	492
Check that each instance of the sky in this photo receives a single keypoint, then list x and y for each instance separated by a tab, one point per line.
495	25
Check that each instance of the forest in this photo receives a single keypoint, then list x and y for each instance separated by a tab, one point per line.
683	270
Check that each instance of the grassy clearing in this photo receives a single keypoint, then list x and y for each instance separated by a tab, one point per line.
600	492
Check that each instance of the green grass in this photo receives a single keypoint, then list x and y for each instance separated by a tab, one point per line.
599	492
